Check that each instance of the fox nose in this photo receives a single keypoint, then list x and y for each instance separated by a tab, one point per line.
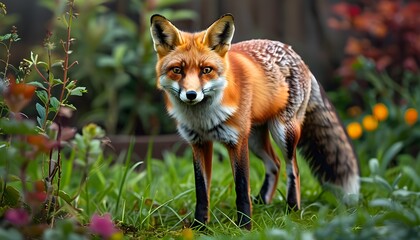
191	95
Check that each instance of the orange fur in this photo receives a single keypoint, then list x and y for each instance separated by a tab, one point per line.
242	73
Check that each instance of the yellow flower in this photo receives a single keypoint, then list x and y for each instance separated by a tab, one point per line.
370	123
411	115
380	111
354	130
187	234
117	236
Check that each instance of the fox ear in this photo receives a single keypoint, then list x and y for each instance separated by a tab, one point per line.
164	34
219	35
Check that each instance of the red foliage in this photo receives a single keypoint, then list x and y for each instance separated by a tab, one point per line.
41	143
18	95
386	31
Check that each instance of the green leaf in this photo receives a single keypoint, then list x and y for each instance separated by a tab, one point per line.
34	58
39	121
51	77
43	96
373	166
78	91
10	234
381	202
71	106
41	113
382	182
11	196
15	37
43	64
56	82
119	53
5	37
396	181
51	234
404	194
58	64
63	195
410	172
17	127
55	104
37	84
390	154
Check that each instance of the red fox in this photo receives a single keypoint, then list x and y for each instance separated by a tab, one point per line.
239	94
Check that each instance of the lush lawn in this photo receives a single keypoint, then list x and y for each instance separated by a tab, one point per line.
159	201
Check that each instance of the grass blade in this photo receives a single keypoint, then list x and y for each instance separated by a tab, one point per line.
127	162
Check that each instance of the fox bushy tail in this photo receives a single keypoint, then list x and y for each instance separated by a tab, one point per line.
325	144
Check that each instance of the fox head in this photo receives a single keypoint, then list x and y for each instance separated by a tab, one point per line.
191	66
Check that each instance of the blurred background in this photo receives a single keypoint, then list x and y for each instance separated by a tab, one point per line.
116	58
114	49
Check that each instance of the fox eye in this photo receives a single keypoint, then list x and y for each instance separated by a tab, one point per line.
207	70
176	70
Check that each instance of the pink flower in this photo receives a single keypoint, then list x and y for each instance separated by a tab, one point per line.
17	217
102	225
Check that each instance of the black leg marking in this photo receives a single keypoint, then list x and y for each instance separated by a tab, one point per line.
292	201
242	198
293	191
202	172
201	208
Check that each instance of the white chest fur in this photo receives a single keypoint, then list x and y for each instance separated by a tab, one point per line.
205	122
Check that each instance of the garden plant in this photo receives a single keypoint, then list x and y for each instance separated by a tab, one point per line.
56	182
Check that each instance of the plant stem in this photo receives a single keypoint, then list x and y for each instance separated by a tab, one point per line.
39	73
7	57
66	46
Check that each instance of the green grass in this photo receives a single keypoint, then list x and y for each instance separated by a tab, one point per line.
159	201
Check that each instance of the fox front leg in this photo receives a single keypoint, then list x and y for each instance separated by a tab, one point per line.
202	158
240	166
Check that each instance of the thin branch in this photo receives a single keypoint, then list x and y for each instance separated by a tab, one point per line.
66	47
7	57
40	74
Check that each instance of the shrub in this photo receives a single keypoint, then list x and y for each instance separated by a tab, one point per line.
384	31
35	149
